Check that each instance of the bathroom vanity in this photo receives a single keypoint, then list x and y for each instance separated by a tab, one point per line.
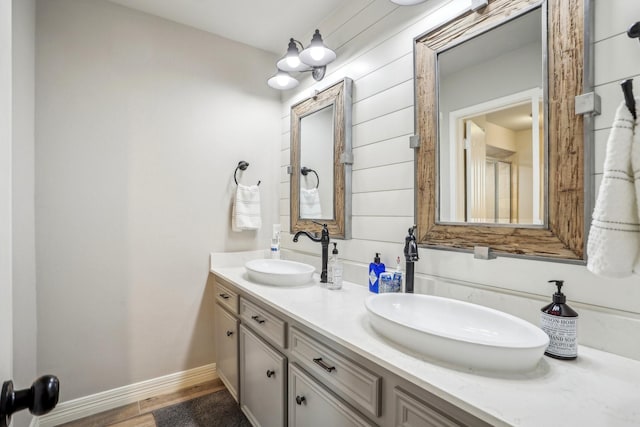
306	356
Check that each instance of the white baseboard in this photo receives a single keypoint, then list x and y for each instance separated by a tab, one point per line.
99	402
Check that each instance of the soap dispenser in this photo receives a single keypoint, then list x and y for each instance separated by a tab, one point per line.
560	322
334	270
397	277
275	242
375	268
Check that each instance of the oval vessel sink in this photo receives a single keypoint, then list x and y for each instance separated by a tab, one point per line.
279	272
464	334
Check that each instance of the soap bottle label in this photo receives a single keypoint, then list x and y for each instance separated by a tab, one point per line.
275	251
562	333
373	281
385	282
335	279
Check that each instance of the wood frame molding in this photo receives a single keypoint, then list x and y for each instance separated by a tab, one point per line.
339	95
563	238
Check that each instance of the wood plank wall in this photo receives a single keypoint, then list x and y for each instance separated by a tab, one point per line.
374	42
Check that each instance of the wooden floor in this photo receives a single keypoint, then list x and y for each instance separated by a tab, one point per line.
139	414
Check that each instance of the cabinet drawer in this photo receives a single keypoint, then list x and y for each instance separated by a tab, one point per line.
268	325
226	297
310	404
344	376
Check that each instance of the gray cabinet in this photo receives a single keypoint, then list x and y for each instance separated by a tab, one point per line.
412	412
263	381
338	372
312	405
226	337
293	375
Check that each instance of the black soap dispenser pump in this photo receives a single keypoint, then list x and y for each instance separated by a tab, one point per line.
560	322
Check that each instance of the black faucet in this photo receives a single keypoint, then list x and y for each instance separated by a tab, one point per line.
324	241
411	256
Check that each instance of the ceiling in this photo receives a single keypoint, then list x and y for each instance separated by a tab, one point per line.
265	24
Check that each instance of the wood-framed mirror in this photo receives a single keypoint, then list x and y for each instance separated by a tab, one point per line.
321	160
559	230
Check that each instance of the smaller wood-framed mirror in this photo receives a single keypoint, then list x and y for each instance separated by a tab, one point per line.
321	161
557	231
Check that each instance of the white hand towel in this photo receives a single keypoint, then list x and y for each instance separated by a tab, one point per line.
310	203
635	165
246	208
614	237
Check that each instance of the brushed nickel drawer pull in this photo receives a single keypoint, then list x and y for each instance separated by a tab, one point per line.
257	319
300	399
270	373
224	296
229	333
323	365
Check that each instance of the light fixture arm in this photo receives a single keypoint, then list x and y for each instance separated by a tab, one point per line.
318	72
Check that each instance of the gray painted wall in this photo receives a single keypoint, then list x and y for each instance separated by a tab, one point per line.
24	262
6	319
140	124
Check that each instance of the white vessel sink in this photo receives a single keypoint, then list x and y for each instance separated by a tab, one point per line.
279	272
467	335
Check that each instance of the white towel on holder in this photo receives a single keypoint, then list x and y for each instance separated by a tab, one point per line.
614	238
310	203
635	166
246	208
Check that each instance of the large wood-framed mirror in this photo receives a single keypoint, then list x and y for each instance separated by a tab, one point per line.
548	218
321	161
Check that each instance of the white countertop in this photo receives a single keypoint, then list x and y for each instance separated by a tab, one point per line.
597	389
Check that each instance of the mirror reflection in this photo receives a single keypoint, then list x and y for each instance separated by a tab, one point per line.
491	126
317	160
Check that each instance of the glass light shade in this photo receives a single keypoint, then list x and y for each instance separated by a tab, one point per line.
291	61
282	81
317	54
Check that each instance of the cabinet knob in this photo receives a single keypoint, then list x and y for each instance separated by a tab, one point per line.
229	333
224	296
270	373
300	400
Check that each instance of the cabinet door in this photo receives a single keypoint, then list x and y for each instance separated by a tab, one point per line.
226	338
263	372
411	412
311	405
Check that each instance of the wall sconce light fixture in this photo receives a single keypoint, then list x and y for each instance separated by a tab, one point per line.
314	58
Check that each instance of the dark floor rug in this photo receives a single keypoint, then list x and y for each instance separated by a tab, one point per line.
213	410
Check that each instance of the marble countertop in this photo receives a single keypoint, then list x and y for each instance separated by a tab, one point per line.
597	389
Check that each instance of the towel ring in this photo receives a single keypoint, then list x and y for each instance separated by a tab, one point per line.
634	31
242	165
629	99
305	171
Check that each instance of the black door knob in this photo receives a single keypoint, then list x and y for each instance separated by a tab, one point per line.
40	398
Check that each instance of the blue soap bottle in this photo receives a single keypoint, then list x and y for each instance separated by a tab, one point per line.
375	268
